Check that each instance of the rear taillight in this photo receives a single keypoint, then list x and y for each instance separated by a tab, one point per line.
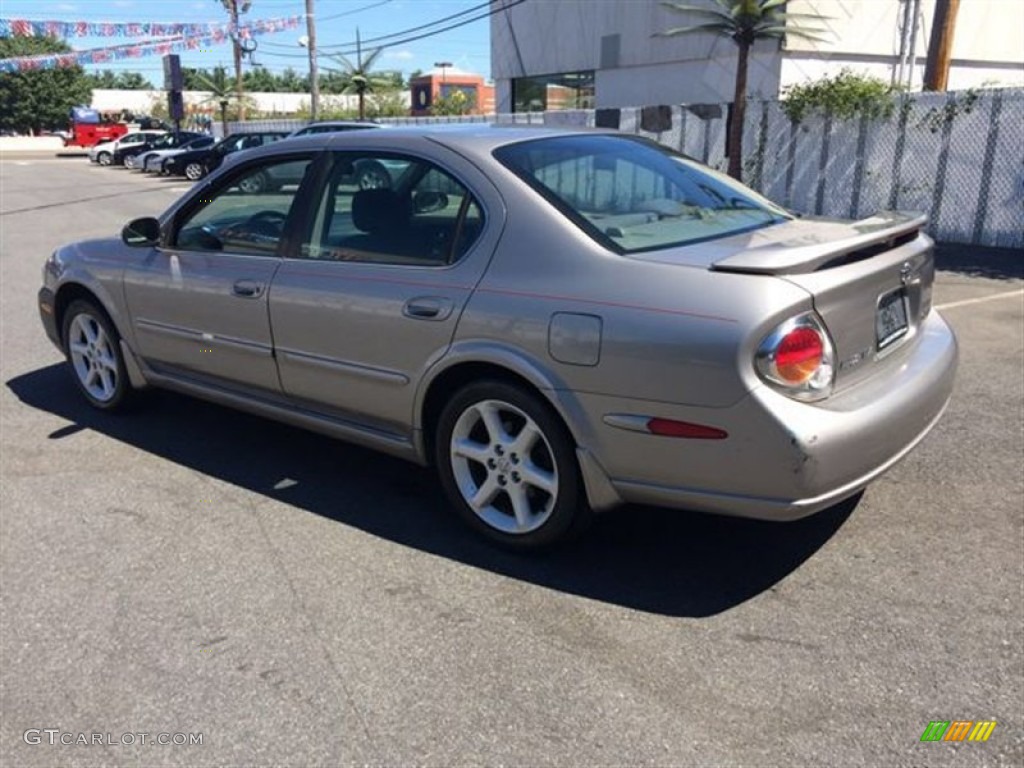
797	358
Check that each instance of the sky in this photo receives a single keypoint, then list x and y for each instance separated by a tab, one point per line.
467	47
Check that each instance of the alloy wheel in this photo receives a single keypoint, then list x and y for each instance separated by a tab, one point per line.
93	357
504	467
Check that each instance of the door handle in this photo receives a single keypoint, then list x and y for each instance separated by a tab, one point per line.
428	308
247	289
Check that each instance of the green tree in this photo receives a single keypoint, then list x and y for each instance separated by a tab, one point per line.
387	104
261	79
39	100
290	81
128	81
844	96
457	102
221	91
358	77
744	22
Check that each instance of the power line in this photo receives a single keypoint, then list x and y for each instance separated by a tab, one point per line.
403	41
354	10
416	29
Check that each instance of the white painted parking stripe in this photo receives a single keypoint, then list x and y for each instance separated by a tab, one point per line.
993	297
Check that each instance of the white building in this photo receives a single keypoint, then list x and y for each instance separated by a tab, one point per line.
607	53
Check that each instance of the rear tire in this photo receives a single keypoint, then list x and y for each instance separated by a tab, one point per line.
92	347
194	171
372	175
508	465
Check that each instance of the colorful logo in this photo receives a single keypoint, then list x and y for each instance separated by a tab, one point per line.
958	730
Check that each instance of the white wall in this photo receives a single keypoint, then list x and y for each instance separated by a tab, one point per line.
141	102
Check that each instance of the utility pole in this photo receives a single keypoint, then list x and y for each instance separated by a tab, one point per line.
940	47
231	6
314	78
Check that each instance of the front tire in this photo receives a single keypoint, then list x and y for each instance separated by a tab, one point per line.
255	184
508	466
93	349
194	171
104	158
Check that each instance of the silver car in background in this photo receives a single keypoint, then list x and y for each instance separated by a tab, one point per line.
558	321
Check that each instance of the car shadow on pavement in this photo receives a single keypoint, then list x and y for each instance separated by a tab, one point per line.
655	560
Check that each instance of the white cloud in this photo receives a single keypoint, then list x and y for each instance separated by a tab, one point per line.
400	55
67	7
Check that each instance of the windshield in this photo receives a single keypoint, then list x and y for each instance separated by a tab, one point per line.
631	194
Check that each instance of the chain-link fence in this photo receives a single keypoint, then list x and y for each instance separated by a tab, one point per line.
957	156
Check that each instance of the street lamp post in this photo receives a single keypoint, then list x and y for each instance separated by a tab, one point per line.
444	69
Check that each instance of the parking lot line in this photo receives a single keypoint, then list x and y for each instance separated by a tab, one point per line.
980	300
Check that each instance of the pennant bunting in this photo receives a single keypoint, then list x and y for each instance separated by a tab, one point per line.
66	29
168	41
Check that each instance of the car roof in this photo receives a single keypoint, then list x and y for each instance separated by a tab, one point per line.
479	139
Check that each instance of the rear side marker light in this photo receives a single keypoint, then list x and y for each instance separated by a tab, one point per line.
671	428
654	425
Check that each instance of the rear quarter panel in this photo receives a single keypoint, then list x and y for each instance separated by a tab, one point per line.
667	333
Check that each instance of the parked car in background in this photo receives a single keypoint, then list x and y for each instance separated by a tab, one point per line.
333	126
366	174
126	155
153	161
103	154
196	163
581	319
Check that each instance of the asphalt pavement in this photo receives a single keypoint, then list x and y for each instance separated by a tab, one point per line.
290	600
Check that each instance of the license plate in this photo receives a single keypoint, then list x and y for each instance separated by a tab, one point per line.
891	320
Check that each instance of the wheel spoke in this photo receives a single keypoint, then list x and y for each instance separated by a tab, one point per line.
78	348
108	362
492	421
539	478
107	381
90	378
88	329
526	439
521	506
468	449
485	494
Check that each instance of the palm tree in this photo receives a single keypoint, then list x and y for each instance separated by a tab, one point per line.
221	92
745	22
358	78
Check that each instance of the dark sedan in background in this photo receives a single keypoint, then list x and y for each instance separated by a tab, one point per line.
127	156
195	164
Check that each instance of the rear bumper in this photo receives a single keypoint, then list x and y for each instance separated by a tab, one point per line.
785	459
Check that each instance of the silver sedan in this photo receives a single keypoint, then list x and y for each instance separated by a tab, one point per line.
559	322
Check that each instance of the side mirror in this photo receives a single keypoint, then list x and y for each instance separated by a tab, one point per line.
141	233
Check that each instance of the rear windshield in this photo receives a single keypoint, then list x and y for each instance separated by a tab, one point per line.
631	194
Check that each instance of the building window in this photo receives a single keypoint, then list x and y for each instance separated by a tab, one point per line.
569	90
